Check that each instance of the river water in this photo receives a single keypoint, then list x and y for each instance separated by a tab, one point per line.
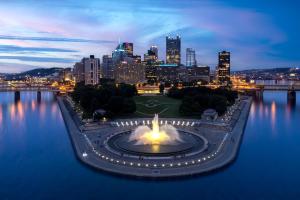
37	160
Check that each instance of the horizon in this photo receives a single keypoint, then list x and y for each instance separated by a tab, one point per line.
43	34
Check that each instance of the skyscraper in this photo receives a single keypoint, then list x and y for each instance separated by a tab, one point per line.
128	68
223	68
173	50
107	67
91	70
151	62
190	57
130	71
150	56
154	49
128	48
78	72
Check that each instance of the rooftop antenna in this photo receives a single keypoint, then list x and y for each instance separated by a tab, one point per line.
119	40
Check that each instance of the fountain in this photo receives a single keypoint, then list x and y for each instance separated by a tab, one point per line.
156	139
164	135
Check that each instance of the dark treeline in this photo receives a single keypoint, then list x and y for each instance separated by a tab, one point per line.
197	99
115	100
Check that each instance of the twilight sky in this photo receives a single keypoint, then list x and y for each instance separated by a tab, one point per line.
57	33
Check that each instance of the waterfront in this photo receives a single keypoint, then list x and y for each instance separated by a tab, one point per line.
37	160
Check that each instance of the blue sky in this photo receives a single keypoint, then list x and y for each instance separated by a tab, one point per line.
56	33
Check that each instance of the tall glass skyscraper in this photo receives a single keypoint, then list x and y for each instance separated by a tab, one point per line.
190	57
154	49
107	67
223	69
173	50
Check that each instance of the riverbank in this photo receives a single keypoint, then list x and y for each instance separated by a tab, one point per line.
93	152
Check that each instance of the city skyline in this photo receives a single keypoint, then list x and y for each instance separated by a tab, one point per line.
44	34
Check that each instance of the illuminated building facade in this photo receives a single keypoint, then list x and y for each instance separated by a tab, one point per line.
151	62
223	68
107	67
78	72
128	48
168	72
129	71
128	68
173	50
190	57
91	70
197	73
66	74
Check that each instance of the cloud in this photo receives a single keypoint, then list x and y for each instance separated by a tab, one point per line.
15	67
38	59
15	49
250	30
53	39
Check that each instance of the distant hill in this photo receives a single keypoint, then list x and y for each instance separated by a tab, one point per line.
39	72
271	74
283	69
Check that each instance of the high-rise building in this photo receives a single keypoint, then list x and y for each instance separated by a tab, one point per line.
78	72
150	56
107	67
128	68
129	71
151	61
91	70
118	54
128	48
173	50
190	57
223	68
168	72
154	49
198	73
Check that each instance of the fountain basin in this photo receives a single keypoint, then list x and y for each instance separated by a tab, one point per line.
190	143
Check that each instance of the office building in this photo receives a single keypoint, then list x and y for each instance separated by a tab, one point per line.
91	70
190	57
173	50
198	73
78	72
107	67
223	68
168	72
129	71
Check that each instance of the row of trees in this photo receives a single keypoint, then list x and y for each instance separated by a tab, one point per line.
197	99
115	100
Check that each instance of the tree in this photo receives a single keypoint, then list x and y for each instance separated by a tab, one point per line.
161	88
129	105
115	104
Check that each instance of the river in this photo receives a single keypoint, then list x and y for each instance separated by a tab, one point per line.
37	160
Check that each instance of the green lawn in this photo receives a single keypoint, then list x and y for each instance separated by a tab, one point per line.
147	106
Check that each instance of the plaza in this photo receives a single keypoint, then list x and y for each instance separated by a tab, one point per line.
208	146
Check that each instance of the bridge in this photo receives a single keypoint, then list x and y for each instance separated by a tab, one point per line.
18	87
258	89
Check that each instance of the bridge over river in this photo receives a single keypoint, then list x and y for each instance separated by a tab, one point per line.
258	89
17	88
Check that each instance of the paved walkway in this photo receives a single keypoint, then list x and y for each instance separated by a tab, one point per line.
222	155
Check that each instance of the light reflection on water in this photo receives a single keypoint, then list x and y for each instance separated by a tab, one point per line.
37	160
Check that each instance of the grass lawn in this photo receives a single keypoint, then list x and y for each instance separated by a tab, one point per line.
147	106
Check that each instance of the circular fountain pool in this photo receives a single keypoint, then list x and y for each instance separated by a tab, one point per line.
189	143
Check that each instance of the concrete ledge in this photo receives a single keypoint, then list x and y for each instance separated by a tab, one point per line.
227	151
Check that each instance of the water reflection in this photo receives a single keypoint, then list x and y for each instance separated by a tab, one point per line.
26	103
50	152
273	114
1	117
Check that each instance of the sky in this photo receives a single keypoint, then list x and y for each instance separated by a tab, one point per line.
58	33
